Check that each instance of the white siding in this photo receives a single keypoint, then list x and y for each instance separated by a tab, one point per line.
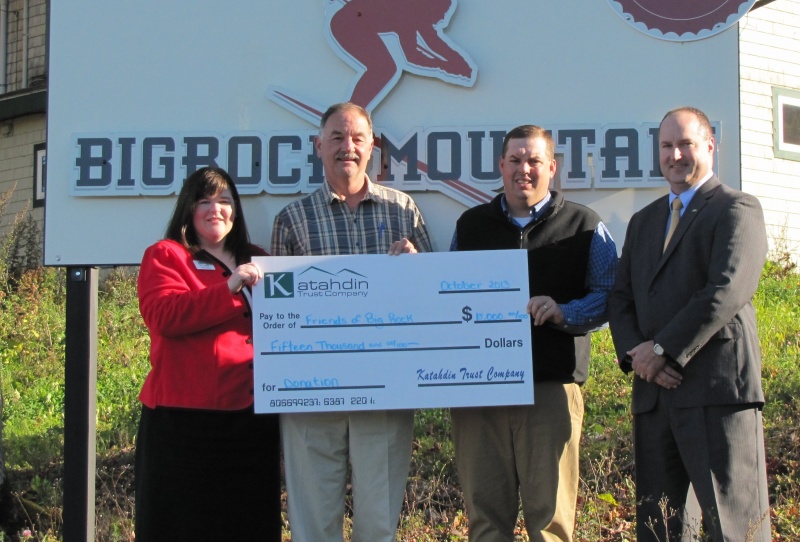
769	55
16	166
30	33
26	41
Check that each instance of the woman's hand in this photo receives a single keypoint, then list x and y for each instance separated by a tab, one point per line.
247	274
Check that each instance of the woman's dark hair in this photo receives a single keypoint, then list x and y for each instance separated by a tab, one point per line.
207	182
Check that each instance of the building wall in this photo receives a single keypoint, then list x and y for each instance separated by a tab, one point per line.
17	138
25	70
32	32
769	55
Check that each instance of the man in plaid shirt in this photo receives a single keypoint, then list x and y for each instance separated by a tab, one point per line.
349	214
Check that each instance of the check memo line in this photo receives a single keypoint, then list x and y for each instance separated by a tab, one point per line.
334	388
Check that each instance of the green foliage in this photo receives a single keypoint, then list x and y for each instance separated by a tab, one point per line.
31	360
32	371
32	335
778	312
777	304
122	360
20	247
606	503
32	331
433	490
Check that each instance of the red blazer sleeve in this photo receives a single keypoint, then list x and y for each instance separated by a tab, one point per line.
178	296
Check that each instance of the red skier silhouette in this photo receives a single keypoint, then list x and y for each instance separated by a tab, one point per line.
383	38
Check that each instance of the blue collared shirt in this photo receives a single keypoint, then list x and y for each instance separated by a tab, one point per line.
685	197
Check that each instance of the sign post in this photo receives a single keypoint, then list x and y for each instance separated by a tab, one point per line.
80	404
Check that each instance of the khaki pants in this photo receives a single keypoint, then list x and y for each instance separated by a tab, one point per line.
316	449
528	452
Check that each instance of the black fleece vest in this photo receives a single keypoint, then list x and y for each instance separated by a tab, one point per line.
558	256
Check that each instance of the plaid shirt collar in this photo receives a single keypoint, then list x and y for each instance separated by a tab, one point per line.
373	192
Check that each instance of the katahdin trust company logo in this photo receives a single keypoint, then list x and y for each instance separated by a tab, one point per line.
315	282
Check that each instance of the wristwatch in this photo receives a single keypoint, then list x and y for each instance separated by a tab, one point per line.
658	350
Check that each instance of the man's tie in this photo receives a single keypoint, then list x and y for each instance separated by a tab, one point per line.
677	205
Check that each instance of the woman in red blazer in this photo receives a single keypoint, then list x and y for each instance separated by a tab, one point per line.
207	467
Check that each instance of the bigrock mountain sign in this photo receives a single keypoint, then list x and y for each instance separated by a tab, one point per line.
144	93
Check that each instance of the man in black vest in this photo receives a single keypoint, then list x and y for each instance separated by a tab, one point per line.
531	451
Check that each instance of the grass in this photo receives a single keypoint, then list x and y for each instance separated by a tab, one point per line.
32	372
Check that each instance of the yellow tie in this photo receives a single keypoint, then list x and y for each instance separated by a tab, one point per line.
677	205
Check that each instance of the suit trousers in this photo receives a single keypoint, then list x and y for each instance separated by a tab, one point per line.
316	449
720	450
529	452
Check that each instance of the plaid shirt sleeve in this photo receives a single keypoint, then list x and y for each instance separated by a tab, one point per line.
281	243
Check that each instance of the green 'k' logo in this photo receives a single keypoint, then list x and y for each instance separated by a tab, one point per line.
277	285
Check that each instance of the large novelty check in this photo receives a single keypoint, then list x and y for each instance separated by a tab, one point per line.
385	332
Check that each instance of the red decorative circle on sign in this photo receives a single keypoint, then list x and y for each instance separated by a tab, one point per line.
681	20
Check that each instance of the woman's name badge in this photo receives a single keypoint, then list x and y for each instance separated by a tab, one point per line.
203	266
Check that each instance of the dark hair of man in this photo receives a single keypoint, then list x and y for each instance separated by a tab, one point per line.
208	182
705	126
344	106
531	131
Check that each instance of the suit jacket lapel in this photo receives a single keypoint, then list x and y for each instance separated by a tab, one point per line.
699	201
656	229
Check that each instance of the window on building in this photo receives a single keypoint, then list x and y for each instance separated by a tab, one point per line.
786	125
39	174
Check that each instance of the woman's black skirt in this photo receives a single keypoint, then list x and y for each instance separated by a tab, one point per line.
207	475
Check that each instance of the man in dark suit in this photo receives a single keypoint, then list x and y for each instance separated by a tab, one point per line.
682	320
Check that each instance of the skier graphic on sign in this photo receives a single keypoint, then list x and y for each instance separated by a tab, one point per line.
381	39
